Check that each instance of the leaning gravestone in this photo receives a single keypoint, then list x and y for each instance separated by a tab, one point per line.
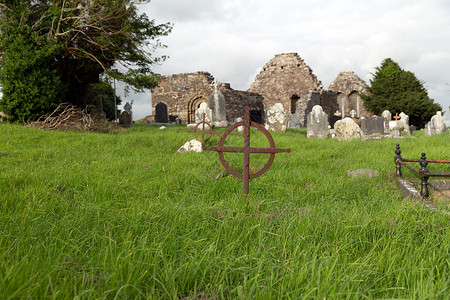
125	119
404	118
276	118
346	129
436	125
162	113
217	104
372	125
317	123
203	109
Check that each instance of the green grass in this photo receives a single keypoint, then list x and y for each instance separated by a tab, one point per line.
124	216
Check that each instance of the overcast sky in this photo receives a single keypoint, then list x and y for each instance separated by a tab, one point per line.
234	39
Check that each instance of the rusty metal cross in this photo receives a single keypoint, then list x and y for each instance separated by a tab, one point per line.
203	123
396	117
246	150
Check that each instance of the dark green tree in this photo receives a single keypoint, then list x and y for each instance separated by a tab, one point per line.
63	47
397	90
104	93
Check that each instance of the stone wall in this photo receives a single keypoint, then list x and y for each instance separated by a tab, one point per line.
305	105
285	79
328	101
348	87
183	94
236	101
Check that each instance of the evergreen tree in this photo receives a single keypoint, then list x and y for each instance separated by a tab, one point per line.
397	90
54	51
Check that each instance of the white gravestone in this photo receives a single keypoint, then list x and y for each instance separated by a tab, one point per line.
203	109
276	118
436	125
317	123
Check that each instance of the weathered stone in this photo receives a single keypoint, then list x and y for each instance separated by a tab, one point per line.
276	118
404	118
191	146
217	105
183	94
436	125
372	125
349	87
317	123
203	109
365	173
346	129
305	104
285	79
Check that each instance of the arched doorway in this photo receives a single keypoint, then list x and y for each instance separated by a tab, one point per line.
294	100
192	107
354	102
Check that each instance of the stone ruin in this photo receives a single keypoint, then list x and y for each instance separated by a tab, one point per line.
349	87
285	79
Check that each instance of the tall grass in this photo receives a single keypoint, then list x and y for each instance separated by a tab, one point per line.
124	216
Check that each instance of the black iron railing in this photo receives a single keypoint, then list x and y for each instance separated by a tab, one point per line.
424	173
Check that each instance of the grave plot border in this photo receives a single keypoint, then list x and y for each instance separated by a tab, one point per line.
424	172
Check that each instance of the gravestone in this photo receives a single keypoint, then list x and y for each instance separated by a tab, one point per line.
387	116
125	119
217	104
317	123
372	125
436	125
404	118
295	121
346	129
203	109
161	113
276	118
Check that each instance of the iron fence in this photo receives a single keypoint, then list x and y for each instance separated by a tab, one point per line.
424	173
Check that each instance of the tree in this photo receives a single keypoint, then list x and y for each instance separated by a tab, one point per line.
397	90
67	45
105	94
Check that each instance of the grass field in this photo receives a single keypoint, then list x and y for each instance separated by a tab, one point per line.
120	216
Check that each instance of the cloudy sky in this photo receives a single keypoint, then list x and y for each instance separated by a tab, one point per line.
234	39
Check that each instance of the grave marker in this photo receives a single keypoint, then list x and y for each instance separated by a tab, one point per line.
246	150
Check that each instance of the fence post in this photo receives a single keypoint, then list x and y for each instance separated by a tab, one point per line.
398	159
423	177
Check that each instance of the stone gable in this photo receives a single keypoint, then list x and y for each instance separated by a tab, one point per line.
285	79
349	87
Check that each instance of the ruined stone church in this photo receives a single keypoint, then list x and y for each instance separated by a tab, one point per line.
285	79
